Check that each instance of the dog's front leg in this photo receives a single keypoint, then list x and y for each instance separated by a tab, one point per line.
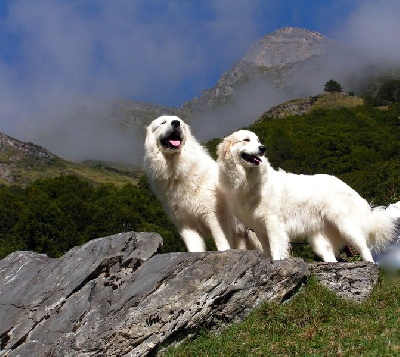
278	239
193	241
222	235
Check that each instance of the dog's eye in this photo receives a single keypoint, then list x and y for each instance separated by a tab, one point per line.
247	139
164	122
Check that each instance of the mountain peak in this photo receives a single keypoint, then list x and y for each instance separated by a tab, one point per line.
295	32
285	46
281	59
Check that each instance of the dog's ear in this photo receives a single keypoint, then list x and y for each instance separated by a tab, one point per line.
149	130
224	148
149	134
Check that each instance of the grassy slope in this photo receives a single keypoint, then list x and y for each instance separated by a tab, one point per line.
314	323
336	100
306	105
26	169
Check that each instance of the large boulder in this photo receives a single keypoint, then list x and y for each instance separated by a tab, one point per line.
36	289
116	296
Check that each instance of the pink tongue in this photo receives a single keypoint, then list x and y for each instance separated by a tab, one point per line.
175	142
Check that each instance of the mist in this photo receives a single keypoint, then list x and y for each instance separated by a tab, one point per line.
61	62
253	99
244	108
373	29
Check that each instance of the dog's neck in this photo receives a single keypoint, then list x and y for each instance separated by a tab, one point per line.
163	165
244	179
174	166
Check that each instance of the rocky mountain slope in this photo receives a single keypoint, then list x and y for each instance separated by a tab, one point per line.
21	163
288	63
279	58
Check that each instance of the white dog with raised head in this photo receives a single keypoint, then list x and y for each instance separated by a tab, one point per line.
280	206
184	177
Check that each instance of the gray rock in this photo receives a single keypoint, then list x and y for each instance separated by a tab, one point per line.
116	296
35	288
352	281
108	298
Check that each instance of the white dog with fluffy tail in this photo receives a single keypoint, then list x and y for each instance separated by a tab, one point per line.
185	179
281	206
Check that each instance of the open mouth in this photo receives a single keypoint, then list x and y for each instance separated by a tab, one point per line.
252	159
172	141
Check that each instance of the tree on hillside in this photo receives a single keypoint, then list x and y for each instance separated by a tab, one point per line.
332	86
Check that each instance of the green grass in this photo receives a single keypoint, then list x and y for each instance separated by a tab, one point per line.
316	322
336	100
27	169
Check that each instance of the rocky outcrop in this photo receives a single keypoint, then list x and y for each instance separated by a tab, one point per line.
22	148
291	107
352	281
116	296
303	106
17	156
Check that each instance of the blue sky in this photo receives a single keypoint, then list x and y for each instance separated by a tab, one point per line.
55	52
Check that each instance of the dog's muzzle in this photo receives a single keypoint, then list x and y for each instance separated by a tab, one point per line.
254	159
173	139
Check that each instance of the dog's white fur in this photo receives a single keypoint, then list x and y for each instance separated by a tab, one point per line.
184	177
280	206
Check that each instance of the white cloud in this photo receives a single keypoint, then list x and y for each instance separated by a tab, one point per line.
57	54
68	52
374	27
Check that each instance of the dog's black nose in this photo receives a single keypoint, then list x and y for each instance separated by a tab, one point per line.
262	149
176	123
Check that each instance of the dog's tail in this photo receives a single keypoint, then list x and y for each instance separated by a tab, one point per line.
382	228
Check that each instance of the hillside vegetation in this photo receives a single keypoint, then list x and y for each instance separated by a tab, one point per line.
27	169
53	215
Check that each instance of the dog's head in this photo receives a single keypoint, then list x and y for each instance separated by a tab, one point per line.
242	147
168	132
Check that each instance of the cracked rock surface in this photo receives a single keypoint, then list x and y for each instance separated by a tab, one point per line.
116	296
352	281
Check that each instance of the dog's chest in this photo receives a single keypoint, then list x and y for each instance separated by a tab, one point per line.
245	203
